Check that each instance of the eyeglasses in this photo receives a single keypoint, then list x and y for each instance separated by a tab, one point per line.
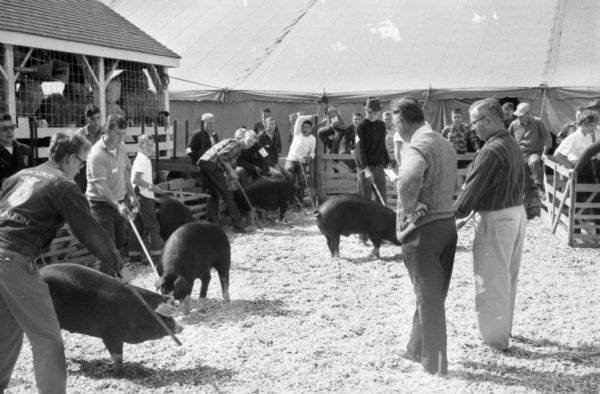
8	128
473	123
81	161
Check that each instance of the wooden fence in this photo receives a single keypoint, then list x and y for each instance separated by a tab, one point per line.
571	209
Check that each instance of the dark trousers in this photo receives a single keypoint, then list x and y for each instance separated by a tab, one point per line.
429	257
214	180
331	137
365	188
148	227
113	223
294	168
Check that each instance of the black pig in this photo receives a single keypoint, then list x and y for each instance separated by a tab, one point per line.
171	215
347	215
267	194
92	303
190	253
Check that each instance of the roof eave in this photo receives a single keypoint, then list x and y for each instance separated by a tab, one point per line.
35	41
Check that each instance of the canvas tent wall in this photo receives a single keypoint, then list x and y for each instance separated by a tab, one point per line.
239	56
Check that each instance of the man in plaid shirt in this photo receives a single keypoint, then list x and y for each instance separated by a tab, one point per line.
461	135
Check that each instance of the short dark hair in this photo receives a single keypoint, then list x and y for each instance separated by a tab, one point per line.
508	106
357	114
6	117
308	122
588	117
91	110
489	107
63	144
116	121
409	109
457	111
266	111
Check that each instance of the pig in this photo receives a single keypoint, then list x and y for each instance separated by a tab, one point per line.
190	253
268	194
92	303
354	215
171	215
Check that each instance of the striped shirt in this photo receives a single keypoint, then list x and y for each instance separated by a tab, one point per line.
497	179
225	151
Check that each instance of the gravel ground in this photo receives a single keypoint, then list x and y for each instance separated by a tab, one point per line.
300	321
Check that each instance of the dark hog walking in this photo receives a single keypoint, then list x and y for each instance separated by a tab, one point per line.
189	254
92	303
171	215
267	194
345	215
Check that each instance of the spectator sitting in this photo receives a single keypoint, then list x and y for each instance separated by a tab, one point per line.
573	146
534	140
508	109
261	125
569	128
14	156
332	134
269	138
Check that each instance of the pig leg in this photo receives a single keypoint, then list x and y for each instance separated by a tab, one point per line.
205	280
335	245
115	348
187	305
224	279
376	245
283	206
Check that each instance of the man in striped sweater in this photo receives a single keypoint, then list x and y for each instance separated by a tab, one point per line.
494	190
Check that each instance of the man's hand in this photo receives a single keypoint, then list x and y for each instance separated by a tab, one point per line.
418	213
306	159
124	211
369	175
125	276
156	189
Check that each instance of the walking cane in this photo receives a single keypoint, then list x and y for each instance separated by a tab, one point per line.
312	203
253	213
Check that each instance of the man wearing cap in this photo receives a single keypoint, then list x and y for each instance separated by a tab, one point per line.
534	140
14	156
370	152
221	158
203	138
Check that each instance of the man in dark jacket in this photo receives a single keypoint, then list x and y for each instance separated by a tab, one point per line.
251	164
14	156
202	139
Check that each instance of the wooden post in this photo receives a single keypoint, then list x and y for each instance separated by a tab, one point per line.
174	140
157	148
187	133
9	68
102	88
572	201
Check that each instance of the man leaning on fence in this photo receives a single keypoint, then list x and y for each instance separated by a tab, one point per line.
92	132
301	153
494	191
35	204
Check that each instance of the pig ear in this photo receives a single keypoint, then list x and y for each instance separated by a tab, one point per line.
166	310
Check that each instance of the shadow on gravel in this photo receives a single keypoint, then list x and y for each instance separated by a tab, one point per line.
138	373
551	381
215	312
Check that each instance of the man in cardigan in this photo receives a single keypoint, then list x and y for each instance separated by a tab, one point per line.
426	183
494	190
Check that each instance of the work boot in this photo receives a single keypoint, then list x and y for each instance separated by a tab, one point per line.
238	227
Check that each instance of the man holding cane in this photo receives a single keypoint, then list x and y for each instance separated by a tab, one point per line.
302	152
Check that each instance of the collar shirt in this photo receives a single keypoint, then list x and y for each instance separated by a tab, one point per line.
102	164
532	136
143	164
85	131
302	146
460	135
573	146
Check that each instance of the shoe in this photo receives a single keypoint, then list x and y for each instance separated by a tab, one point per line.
240	230
411	357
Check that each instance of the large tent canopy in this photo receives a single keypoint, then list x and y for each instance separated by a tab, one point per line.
444	52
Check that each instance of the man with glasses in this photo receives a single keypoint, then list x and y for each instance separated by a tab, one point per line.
494	191
35	204
92	132
109	190
14	156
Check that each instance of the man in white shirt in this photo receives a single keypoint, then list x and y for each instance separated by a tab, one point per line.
145	221
302	151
